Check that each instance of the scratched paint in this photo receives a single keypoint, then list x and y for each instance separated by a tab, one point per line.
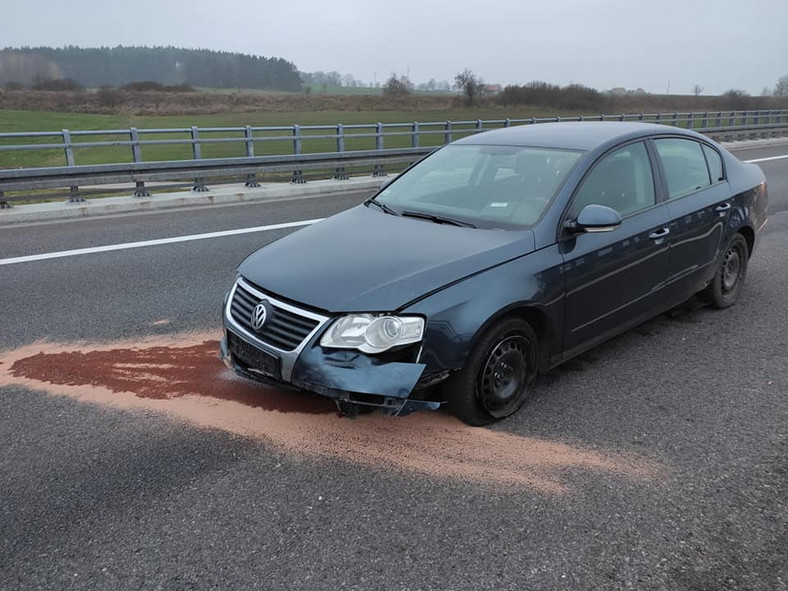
181	375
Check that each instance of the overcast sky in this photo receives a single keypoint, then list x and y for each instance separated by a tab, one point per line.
720	44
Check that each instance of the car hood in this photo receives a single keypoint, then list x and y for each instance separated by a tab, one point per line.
366	260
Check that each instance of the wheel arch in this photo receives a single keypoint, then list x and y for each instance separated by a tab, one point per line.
749	237
536	318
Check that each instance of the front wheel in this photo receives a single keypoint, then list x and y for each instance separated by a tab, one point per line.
725	287
497	376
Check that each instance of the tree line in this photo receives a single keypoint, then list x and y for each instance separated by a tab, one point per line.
168	66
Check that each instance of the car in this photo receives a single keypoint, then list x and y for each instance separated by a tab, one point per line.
492	260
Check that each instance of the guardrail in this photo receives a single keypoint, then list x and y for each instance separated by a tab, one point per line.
244	152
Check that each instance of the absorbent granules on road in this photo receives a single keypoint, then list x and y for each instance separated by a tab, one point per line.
182	376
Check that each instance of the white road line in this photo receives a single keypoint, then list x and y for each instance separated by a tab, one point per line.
160	241
767	158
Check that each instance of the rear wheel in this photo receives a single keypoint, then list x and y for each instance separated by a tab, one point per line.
725	287
497	376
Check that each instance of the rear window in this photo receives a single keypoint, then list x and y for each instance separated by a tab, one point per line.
684	165
715	164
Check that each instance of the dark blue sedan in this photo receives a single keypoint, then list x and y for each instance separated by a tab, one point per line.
496	258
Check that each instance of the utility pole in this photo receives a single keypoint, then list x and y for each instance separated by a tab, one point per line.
668	90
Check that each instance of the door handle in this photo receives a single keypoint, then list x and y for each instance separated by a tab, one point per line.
723	208
659	234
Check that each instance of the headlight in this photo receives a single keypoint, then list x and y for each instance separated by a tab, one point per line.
373	334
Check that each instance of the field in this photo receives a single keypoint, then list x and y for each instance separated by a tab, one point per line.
14	120
78	112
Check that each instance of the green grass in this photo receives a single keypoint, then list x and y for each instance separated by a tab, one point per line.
11	121
319	89
343	90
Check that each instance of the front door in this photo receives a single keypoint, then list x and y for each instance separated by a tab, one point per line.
613	279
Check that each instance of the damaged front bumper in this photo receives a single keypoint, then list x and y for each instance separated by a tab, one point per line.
345	376
392	382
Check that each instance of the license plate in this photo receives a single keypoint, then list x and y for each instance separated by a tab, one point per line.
253	357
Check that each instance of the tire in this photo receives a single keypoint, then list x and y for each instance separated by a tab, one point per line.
725	287
497	376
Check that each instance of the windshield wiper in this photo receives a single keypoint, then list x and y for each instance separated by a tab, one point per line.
438	219
382	206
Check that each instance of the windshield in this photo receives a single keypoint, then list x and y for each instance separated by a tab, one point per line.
489	186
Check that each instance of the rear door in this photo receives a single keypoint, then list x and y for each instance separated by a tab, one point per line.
698	203
614	278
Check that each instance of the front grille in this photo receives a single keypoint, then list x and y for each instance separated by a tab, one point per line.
283	329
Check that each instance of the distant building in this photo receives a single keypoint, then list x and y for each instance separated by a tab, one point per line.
491	88
621	91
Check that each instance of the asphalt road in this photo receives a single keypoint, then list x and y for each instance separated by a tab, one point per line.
96	494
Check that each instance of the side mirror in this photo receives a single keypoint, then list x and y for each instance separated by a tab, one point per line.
595	218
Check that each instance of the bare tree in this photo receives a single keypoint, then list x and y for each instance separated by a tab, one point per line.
397	86
697	89
781	88
469	84
736	99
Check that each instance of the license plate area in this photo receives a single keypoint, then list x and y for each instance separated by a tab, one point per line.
254	358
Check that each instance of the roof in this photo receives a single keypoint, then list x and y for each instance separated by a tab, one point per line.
569	135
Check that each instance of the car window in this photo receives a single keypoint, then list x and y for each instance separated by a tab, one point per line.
455	171
714	161
489	186
621	180
684	165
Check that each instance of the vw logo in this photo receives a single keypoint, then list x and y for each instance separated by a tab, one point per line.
259	314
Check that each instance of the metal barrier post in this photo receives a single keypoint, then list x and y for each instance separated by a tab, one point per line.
4	204
378	170
251	178
479	126
414	135
447	134
298	175
74	196
339	173
675	122
690	121
507	122
199	183
136	156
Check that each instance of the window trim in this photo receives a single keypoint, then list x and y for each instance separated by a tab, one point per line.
722	162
